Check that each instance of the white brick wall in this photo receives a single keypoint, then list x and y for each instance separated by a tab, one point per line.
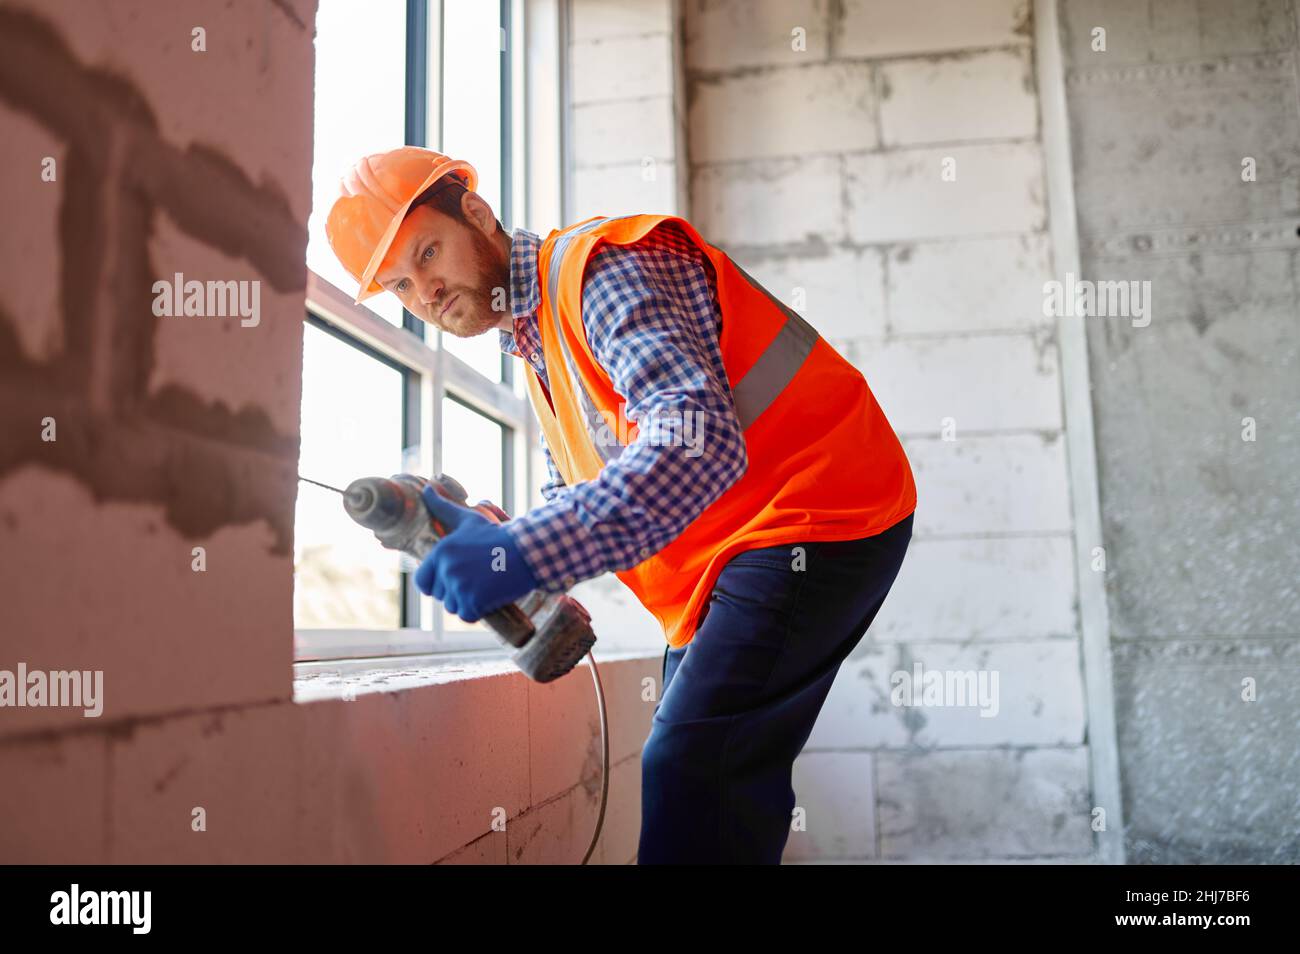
969	285
621	68
991	803
623	133
769	202
958	98
878	28
903	195
836	792
624	113
646	186
978	383
1025	710
794	111
729	34
603	19
822	171
989	589
990	484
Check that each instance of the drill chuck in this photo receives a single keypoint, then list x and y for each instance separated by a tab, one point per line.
375	502
360	502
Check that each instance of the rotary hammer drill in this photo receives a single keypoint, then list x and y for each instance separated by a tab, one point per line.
550	632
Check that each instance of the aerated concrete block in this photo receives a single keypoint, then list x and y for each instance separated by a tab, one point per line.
1005	693
770	202
798	110
971	383
53	800
984	803
621	68
981	590
835	798
878	28
603	19
962	97
1006	483
730	34
969	285
904	195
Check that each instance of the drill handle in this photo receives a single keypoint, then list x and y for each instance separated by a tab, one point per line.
491	511
511	624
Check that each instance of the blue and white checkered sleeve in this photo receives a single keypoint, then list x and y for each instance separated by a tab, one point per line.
651	324
554	484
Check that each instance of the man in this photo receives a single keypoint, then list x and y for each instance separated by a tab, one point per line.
703	443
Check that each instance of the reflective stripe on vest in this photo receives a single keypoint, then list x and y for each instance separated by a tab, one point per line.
608	451
777	365
752	394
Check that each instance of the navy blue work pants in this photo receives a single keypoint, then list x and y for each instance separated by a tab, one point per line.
740	699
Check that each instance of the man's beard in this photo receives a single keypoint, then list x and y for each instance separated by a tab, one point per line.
492	274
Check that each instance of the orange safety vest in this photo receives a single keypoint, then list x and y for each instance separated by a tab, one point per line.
824	463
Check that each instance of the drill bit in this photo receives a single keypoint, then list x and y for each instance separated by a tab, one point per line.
319	484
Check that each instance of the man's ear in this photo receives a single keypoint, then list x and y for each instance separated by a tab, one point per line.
476	210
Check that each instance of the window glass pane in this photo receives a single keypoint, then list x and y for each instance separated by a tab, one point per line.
482	353
472	447
351	427
471	129
471	100
360	109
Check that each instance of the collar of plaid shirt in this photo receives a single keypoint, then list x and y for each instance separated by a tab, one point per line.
525	299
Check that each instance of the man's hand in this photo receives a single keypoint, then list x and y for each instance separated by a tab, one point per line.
476	568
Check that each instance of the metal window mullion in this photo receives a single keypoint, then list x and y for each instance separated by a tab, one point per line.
435	78
514	123
417	72
518	179
505	88
433	394
508	444
522	473
417	101
416	119
412	414
565	112
506	112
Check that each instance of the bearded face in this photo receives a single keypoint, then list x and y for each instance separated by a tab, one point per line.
448	273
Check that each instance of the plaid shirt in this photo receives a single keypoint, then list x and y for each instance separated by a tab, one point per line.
652	321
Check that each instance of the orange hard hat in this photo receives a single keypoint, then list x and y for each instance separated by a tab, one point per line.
374	198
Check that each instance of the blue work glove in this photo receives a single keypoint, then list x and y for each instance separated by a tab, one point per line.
476	567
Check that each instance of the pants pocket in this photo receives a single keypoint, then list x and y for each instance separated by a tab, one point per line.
783	556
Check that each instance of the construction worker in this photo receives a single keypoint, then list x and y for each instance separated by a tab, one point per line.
703	443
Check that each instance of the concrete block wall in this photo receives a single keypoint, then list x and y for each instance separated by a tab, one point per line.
624	108
819	133
1201	526
129	439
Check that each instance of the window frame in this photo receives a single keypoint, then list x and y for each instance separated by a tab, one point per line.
431	373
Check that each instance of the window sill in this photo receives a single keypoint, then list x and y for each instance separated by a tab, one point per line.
317	681
343	645
351	678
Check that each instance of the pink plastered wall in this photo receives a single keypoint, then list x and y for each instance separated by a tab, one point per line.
174	433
